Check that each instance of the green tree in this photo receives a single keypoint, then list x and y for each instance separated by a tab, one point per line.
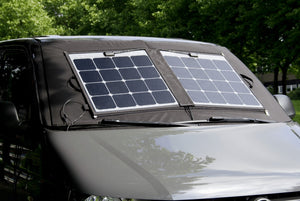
263	34
274	34
93	17
24	18
73	16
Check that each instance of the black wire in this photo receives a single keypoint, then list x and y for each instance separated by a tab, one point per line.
187	109
72	82
66	117
248	80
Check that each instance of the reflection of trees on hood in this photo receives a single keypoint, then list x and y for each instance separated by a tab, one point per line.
172	166
179	161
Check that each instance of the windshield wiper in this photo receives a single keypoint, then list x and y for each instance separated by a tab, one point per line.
119	123
238	120
139	123
106	122
216	119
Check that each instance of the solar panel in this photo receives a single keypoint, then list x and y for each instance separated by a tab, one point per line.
128	80
210	80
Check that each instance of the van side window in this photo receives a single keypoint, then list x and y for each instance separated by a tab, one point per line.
16	81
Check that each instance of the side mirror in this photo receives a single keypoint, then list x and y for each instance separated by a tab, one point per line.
8	115
286	104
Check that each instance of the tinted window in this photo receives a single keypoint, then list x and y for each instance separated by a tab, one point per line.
16	83
17	86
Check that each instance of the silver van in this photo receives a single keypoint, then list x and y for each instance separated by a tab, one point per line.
105	118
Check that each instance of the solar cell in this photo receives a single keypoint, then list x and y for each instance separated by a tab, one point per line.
148	72
124	100
110	75
240	87
84	64
207	85
90	76
222	65
155	84
121	81
198	96
141	60
123	62
199	74
96	89
214	75
163	97
130	74
103	102
230	76
248	99
104	63
174	61
117	87
190	62
136	86
210	80
232	98
206	64
214	97
189	84
144	99
223	86
182	72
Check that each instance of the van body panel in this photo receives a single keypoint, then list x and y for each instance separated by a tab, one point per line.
183	163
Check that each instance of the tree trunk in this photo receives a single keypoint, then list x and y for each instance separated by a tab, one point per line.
284	70
275	83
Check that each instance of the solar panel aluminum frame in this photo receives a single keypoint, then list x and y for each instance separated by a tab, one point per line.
211	57
102	54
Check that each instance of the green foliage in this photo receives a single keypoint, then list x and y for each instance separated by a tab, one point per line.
24	18
295	69
263	34
296	104
71	15
295	94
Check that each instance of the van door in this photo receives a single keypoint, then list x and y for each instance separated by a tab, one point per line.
20	165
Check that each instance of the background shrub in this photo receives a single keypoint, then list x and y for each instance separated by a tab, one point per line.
295	94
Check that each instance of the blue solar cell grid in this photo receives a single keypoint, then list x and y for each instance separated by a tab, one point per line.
125	81
210	80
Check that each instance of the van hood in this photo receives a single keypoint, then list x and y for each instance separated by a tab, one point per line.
182	163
